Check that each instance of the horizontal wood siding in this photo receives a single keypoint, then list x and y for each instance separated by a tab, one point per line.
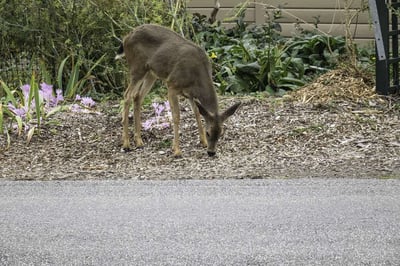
328	14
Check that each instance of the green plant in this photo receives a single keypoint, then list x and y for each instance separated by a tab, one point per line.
25	109
75	84
250	59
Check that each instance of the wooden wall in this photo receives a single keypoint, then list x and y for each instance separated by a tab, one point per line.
329	13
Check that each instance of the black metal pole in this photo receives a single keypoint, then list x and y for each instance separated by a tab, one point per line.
382	66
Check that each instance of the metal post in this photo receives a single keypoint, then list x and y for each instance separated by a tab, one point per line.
382	64
395	45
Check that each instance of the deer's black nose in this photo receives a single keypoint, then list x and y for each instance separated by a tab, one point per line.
211	153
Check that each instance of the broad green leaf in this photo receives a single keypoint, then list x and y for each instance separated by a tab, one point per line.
9	94
60	72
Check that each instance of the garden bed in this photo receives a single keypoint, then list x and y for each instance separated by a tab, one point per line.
335	127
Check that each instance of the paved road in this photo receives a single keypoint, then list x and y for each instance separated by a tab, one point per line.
259	222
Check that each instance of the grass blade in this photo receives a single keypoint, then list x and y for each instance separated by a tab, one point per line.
8	140
73	83
19	124
60	72
1	119
57	109
82	82
38	104
30	134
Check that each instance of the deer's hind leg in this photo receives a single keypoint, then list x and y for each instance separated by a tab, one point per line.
129	95
145	87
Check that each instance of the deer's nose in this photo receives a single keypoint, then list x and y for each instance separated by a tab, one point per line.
211	153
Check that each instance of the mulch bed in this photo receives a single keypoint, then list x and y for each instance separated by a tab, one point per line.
335	127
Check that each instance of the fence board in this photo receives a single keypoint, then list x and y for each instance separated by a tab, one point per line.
224	3
226	13
324	16
315	4
330	14
360	31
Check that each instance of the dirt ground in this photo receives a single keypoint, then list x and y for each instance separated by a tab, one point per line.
335	128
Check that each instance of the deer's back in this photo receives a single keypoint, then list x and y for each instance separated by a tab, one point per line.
167	54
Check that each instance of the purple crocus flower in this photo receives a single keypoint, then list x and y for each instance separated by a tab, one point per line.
165	125
46	91
167	106
148	124
75	108
59	97
158	108
88	102
21	112
25	91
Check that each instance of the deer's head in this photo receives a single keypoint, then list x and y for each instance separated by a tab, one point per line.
215	125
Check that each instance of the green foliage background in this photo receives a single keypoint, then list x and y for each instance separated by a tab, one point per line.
48	31
73	43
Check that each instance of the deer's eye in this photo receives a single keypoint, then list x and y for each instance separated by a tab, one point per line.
208	134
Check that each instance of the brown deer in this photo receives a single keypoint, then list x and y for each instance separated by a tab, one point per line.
155	52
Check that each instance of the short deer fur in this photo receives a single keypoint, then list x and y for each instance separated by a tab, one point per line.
155	52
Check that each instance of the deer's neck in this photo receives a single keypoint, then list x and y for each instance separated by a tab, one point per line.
208	98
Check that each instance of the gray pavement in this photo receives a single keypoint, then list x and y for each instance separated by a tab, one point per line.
232	222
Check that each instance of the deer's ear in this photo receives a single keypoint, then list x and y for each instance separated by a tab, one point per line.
206	114
230	111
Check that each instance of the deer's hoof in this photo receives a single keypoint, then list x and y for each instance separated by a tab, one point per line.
126	149
177	154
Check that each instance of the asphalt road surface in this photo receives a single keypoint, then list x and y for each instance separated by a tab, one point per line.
232	222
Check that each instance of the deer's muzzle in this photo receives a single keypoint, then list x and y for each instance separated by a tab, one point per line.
211	153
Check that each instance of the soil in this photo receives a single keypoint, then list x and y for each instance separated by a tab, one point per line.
334	127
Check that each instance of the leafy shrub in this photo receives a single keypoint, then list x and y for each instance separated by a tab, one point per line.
257	58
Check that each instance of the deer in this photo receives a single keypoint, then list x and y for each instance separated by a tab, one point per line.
155	52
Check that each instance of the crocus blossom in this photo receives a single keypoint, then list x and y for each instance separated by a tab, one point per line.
21	112
162	118
88	102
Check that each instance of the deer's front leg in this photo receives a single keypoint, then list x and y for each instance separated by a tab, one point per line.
202	132
174	103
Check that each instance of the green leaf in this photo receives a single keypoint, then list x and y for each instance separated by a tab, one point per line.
30	134
19	124
57	109
38	101
72	84
251	68
9	94
60	72
1	119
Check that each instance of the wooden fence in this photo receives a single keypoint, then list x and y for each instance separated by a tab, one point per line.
328	15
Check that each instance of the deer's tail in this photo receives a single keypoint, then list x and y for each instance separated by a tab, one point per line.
120	52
